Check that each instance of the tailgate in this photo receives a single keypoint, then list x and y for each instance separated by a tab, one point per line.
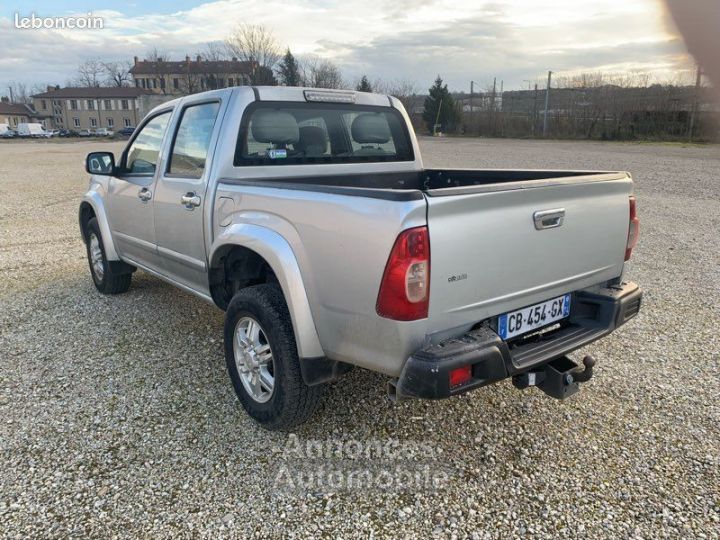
488	257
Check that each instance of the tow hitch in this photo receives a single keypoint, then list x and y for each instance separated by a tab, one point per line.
559	379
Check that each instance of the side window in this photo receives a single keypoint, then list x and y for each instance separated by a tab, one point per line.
192	140
142	156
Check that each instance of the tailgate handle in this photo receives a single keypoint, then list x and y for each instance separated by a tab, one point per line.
549	219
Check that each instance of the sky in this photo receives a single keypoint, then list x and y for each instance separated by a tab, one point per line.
515	41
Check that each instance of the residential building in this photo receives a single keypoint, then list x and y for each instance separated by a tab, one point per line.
190	76
19	113
90	108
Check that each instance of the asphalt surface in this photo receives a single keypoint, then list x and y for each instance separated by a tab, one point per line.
117	418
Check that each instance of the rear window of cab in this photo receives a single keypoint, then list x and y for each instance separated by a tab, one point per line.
277	133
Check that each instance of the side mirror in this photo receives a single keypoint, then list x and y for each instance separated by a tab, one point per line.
100	163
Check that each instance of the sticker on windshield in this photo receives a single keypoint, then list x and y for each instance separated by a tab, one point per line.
277	153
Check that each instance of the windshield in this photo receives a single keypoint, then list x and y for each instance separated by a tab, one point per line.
296	133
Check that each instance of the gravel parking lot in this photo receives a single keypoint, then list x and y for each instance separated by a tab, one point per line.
117	418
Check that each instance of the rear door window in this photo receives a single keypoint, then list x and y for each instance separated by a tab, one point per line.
192	140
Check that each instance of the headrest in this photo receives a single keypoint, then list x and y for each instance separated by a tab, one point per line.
370	128
312	136
276	127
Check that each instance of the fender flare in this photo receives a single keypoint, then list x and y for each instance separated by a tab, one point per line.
278	253
94	199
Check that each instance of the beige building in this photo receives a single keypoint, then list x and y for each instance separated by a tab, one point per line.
190	76
13	114
90	108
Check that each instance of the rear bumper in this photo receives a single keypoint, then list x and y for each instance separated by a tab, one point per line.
426	373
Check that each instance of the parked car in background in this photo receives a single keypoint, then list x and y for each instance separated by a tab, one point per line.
127	131
308	216
66	133
103	132
84	133
6	132
32	129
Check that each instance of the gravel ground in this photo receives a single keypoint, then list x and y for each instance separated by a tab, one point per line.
117	418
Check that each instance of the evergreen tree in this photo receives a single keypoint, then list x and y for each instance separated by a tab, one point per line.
364	85
439	98
289	70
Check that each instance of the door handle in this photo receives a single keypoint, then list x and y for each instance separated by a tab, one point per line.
144	194
549	219
190	200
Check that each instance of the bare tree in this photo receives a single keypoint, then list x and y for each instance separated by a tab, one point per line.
18	93
91	73
404	90
321	73
118	73
256	44
213	52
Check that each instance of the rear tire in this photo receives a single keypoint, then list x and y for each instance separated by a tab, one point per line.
100	269
262	359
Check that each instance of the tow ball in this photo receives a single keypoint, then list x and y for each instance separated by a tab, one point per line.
559	379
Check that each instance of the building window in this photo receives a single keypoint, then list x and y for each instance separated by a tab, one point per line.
43	104
137	83
91	104
127	122
108	104
93	122
76	122
74	104
124	104
154	83
110	123
176	83
230	81
162	83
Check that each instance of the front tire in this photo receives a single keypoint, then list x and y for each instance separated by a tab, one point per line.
262	359
103	277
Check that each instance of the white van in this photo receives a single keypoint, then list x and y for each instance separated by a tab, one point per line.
32	130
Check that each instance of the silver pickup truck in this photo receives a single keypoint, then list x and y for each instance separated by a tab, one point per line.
307	215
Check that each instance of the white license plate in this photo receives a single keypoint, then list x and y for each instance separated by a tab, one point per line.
533	317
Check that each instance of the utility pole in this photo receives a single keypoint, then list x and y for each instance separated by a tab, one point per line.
437	118
534	112
472	115
696	99
547	104
492	107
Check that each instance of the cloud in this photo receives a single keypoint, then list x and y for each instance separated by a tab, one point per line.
393	39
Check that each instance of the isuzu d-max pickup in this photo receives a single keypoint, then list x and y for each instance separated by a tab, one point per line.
307	215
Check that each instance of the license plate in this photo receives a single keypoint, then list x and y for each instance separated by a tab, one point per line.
530	318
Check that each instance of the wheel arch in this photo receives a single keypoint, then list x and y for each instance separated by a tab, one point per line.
92	206
261	250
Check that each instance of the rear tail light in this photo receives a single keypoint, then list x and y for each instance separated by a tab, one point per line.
405	288
633	229
460	376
